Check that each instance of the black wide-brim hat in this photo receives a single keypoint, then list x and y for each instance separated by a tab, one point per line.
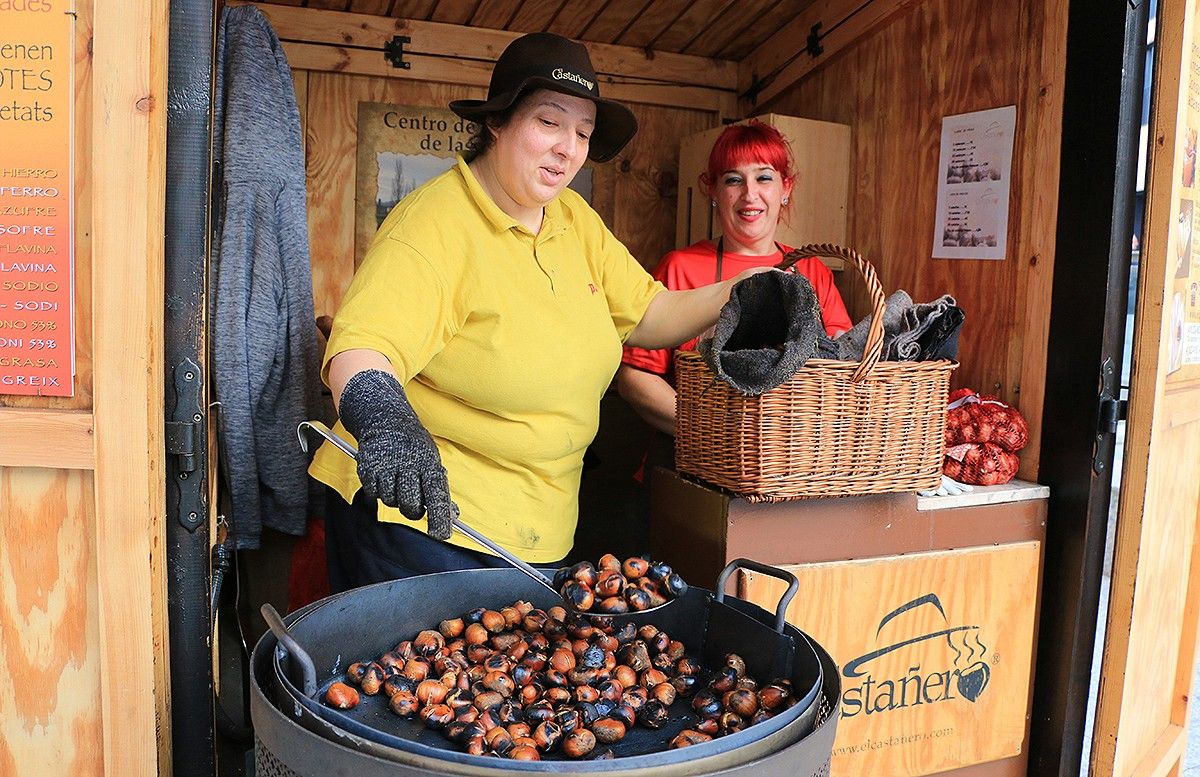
543	60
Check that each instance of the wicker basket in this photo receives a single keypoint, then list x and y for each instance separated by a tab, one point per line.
836	428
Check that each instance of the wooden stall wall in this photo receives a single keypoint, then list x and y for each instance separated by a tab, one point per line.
82	623
892	85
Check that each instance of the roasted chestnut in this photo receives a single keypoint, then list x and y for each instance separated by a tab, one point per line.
658	571
664	692
562	660
611	690
708	726
475	616
492	621
405	704
512	616
724	680
586	693
610	583
773	697
578	743
499	740
675	650
558	695
635	567
476	746
661	642
547	735
684	684
608	730
609	563
519	730
428	643
737	663
341	696
372	680
355	672
593	657
638	600
416	669
652	677
625	675
585	573
653	714
579	595
664	664
437	716
688	737
687	665
635	656
731	723
391	659
396	683
475	634
488	700
452	627
624	713
431	692
626	633
759	717
706	704
539	712
674	585
504	641
508	713
741	702
524	753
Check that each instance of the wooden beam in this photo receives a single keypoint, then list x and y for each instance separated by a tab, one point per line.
782	60
60	439
337	59
128	190
452	41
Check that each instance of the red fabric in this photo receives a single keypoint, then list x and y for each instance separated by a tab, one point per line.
695	266
308	577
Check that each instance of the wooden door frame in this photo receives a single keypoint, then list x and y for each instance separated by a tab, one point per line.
1098	163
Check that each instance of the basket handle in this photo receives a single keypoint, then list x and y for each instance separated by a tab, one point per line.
874	345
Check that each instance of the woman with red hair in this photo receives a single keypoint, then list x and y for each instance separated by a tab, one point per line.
749	180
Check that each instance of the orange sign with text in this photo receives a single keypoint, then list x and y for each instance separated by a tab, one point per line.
37	278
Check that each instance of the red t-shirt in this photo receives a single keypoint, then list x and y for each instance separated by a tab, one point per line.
696	265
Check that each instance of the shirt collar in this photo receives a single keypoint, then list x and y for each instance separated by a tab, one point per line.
555	217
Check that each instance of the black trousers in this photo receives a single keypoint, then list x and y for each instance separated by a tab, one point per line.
361	550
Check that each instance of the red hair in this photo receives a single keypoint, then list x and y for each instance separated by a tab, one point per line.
750	142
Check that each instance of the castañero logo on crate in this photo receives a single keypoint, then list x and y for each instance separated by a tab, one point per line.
934	652
965	675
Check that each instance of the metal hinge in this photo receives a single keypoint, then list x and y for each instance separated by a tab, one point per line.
813	44
393	51
183	436
1110	412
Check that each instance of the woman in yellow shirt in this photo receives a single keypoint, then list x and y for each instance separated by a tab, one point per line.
471	351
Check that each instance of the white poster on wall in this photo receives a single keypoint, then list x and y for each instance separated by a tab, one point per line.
974	178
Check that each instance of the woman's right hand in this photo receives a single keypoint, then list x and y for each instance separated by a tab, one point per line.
398	461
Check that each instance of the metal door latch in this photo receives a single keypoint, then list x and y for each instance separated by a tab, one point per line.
1111	411
393	51
184	438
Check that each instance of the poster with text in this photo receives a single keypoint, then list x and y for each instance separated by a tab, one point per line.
400	147
974	179
1183	244
37	287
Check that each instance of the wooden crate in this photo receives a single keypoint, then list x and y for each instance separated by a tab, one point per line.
935	651
818	210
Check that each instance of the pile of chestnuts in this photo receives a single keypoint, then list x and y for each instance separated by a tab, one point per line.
611	586
525	683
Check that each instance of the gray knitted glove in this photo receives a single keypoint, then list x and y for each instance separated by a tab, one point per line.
398	462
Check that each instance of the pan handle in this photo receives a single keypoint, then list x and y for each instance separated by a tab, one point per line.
291	646
784	575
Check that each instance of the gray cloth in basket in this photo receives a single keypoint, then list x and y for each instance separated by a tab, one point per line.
906	327
765	333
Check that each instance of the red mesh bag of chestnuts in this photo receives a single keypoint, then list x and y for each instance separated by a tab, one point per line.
983	435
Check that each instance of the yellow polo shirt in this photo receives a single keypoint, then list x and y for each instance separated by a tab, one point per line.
504	341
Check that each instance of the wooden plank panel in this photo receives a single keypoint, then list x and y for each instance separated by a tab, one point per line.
771	21
691	23
128	188
535	17
617	16
736	21
50	705
495	14
413	9
781	61
893	88
573	18
660	15
329	5
375	7
448	42
334	59
61	439
454	11
936	652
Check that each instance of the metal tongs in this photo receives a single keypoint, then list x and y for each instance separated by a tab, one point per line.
348	449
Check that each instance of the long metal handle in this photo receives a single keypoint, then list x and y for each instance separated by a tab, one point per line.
782	574
457	525
289	645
